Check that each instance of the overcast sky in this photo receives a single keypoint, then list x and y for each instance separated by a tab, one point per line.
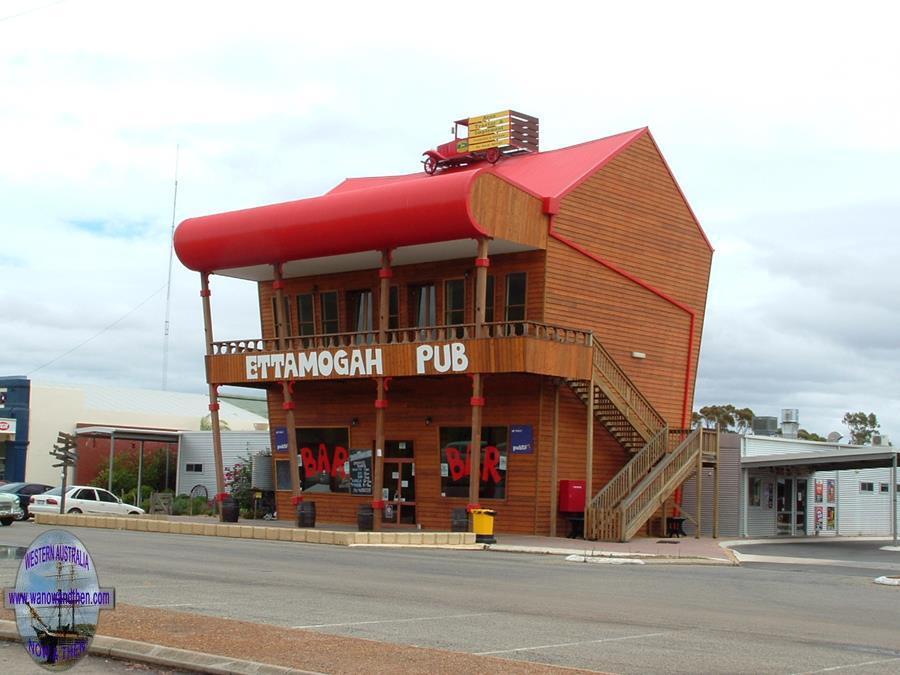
781	122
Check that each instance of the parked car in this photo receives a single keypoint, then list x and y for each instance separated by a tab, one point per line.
24	491
9	509
82	499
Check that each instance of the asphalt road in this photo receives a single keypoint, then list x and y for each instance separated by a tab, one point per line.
629	619
829	556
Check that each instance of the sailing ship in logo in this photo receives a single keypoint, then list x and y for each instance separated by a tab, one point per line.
57	600
60	638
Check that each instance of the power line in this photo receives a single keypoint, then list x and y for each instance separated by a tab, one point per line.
102	331
165	368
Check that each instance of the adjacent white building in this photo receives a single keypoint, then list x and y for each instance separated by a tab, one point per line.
61	407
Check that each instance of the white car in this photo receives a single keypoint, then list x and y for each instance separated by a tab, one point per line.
82	499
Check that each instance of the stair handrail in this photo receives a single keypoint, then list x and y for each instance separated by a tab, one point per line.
602	506
606	366
632	506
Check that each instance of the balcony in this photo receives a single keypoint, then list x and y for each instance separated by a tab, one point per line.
505	347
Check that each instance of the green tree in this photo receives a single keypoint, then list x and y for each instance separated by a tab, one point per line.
206	424
724	417
805	435
861	426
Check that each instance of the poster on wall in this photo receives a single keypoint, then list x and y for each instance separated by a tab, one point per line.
281	439
360	465
829	490
830	523
820	517
521	437
820	489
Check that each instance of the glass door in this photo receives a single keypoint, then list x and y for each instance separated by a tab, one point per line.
800	506
399	486
784	504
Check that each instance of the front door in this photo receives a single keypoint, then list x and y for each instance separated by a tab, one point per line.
790	513
399	486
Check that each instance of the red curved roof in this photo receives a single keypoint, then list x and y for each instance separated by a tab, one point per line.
371	214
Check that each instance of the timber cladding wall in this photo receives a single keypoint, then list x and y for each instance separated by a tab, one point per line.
631	213
510	399
531	262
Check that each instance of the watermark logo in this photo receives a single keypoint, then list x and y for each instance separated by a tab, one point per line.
57	600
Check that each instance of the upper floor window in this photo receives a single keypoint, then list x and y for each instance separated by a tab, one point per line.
455	303
306	320
359	310
422	307
515	300
331	322
489	300
393	308
286	317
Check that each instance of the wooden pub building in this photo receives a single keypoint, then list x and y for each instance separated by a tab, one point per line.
486	335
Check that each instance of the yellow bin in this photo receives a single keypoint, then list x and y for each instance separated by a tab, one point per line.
483	525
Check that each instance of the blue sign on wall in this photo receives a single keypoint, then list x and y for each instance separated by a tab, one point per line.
521	438
281	439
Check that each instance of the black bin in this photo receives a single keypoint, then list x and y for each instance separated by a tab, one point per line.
459	520
230	510
306	514
365	518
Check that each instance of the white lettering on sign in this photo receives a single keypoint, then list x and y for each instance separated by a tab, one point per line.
442	357
313	364
350	363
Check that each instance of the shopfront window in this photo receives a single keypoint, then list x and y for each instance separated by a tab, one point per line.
456	463
455	304
331	322
393	308
324	459
755	491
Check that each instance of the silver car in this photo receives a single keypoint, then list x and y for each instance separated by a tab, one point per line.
9	508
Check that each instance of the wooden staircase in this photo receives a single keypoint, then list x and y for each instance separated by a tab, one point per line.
663	458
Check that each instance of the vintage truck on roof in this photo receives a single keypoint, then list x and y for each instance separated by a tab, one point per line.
487	138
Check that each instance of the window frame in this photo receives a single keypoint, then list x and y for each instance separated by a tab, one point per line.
503	458
866	490
461	281
506	304
312	307
337	309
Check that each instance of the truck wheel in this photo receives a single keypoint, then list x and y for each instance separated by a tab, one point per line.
430	165
492	155
7	522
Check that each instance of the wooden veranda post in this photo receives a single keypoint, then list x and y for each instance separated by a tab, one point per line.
287	390
213	392
477	402
554	469
482	262
699	485
385	274
715	531
589	462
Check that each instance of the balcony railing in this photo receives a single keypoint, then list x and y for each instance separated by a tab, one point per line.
464	331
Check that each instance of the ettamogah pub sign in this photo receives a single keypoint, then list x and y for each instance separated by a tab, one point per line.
350	363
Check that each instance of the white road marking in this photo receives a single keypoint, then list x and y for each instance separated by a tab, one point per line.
173	604
569	644
849	665
417	618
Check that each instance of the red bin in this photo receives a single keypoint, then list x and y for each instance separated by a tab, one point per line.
571	496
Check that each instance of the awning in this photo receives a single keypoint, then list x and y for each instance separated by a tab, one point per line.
827	460
130	433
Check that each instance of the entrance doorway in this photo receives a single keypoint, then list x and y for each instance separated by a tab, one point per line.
790	513
399	486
